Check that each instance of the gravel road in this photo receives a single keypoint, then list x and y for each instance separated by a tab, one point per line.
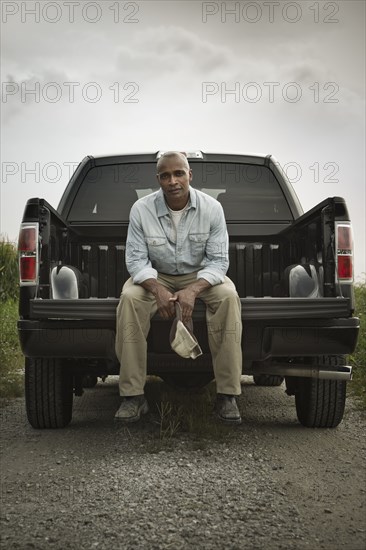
265	484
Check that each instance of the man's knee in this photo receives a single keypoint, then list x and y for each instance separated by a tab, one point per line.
231	293
226	292
132	292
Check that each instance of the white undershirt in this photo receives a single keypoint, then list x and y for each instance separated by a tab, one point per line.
175	216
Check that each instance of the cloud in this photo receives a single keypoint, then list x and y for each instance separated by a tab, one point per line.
19	94
159	51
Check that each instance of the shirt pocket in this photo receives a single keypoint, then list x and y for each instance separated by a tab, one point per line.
157	247
197	243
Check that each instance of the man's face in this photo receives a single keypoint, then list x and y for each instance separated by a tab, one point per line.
174	178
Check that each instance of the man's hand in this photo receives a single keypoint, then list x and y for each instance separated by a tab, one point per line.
186	299
166	307
188	295
163	297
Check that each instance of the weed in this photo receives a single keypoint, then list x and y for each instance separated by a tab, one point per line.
183	412
170	420
358	358
9	279
11	358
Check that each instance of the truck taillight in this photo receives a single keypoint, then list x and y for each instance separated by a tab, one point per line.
28	253
344	250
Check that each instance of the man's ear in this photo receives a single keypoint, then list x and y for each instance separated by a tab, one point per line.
190	175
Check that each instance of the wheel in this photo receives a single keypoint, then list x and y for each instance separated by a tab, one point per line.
89	381
187	380
268	380
320	403
48	393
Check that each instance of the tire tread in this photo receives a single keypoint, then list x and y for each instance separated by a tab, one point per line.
321	403
48	392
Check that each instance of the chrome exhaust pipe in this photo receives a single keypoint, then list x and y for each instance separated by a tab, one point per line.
344	374
335	373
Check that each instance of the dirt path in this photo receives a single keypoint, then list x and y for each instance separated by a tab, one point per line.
268	483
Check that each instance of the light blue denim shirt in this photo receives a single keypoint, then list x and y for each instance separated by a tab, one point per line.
201	244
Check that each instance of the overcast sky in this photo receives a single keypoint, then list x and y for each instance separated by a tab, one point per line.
121	77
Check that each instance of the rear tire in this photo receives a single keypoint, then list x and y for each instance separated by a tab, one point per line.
48	393
268	380
320	403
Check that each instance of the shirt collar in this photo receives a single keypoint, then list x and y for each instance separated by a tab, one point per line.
161	207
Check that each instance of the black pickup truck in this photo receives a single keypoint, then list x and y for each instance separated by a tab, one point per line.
293	273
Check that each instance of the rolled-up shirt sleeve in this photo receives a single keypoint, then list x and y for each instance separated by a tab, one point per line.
216	251
137	257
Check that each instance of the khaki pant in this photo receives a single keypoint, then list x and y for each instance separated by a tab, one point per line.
223	314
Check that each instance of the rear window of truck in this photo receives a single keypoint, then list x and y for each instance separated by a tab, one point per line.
247	192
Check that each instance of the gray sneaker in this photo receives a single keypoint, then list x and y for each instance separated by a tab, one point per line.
227	409
132	408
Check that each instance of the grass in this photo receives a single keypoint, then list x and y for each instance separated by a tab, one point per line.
11	357
9	278
358	359
183	412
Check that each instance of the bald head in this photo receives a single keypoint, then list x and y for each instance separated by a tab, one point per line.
171	155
